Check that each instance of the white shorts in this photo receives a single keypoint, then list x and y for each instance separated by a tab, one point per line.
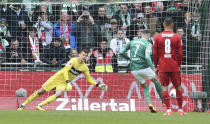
141	75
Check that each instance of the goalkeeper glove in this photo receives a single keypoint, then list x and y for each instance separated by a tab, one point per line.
67	81
68	86
102	86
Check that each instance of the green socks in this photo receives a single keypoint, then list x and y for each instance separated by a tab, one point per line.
147	95
159	90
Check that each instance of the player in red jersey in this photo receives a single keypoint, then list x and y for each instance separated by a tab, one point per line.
166	45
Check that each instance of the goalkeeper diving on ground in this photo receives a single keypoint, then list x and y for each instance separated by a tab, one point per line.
62	81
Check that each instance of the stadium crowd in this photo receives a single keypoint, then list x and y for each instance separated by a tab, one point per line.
51	33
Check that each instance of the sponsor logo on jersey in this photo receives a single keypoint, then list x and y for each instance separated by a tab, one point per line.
167	35
167	55
139	42
74	71
135	59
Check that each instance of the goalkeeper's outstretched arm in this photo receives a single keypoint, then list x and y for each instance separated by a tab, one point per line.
90	80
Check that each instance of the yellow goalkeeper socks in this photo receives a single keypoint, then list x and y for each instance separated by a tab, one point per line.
48	100
31	98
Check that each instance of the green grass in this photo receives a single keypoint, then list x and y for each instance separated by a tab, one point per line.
90	117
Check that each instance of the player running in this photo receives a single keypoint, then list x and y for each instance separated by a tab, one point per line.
62	81
165	48
141	65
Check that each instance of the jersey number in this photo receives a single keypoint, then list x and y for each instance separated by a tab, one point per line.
167	46
137	47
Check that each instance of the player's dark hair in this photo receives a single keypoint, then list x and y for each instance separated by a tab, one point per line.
179	28
168	21
84	50
145	31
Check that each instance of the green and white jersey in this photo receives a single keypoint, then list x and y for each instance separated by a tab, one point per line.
140	54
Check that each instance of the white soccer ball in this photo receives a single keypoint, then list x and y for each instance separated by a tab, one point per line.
172	93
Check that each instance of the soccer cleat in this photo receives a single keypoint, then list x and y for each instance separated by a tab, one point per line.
20	108
181	113
152	109
38	107
167	114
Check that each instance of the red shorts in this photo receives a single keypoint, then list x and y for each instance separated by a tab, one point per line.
174	77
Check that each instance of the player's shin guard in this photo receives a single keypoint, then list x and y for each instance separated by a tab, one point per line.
179	98
31	98
147	95
48	100
159	90
167	99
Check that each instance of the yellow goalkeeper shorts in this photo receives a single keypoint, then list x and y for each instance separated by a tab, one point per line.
55	81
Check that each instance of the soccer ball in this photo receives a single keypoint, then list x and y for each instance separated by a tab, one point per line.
172	93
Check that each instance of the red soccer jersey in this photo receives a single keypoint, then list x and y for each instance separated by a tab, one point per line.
166	45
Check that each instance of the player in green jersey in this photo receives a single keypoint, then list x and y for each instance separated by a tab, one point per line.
141	65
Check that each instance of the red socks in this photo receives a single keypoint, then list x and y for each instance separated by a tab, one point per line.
179	98
167	99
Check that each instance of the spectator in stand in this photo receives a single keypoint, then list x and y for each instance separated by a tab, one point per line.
64	30
135	10
86	32
181	33
196	26
44	28
44	8
91	8
132	29
176	13
14	52
111	10
18	21
153	24
195	44
111	30
103	58
4	9
101	19
4	31
3	45
117	44
159	12
54	53
74	53
33	48
187	23
186	4
191	50
123	16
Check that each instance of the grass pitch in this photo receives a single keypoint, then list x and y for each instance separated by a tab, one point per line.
90	117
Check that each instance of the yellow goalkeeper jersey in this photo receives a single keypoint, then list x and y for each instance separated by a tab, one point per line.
74	68
69	72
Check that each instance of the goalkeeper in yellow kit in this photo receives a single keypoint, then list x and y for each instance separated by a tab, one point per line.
62	81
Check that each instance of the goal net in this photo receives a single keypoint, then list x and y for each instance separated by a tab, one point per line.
38	37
